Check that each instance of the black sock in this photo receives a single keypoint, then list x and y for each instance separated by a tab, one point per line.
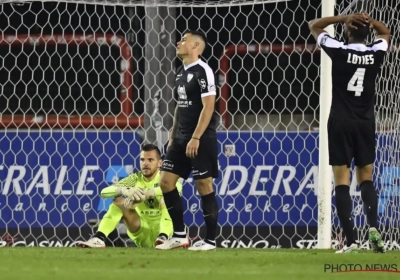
173	202
210	212
100	235
344	207
163	235
370	199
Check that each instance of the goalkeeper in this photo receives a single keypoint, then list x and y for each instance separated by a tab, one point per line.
138	200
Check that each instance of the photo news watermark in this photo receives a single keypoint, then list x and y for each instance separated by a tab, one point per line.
357	267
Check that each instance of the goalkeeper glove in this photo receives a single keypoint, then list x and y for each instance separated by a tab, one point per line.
136	193
132	196
113	191
149	193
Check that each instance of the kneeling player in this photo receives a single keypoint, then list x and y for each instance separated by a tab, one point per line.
139	202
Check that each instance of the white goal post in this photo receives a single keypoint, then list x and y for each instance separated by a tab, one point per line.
325	172
83	84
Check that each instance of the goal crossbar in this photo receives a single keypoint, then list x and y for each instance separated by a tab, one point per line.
160	3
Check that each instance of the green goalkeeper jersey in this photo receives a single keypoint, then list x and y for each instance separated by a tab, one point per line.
153	207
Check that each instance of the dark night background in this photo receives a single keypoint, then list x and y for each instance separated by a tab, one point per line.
281	83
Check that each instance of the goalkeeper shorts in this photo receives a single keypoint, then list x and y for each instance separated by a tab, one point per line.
146	236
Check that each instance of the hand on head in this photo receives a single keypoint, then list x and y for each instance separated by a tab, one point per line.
359	19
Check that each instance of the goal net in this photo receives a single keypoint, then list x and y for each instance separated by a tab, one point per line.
85	83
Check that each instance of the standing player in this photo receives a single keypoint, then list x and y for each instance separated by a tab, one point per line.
351	124
193	143
139	202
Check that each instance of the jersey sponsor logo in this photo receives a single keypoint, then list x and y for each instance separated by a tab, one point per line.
182	92
184	103
151	213
202	83
168	165
360	59
152	203
189	77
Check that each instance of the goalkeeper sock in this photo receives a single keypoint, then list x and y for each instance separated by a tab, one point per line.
210	212
370	199
173	202
109	222
344	207
100	235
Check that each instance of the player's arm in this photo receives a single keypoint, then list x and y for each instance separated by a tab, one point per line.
205	116
208	96
317	25
381	29
116	188
125	187
174	125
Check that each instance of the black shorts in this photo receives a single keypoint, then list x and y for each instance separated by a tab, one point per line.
204	165
351	139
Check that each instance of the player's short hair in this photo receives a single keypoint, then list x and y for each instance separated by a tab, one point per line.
197	33
151	147
361	33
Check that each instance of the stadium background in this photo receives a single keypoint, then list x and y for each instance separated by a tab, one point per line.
85	81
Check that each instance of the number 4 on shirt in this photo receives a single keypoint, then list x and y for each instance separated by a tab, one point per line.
356	82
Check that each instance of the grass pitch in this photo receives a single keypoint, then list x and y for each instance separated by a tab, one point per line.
132	263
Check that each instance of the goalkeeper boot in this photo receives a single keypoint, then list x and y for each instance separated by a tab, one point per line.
201	245
161	239
375	239
353	248
174	243
93	242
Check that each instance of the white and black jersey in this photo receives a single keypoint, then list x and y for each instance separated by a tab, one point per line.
192	83
351	124
355	68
